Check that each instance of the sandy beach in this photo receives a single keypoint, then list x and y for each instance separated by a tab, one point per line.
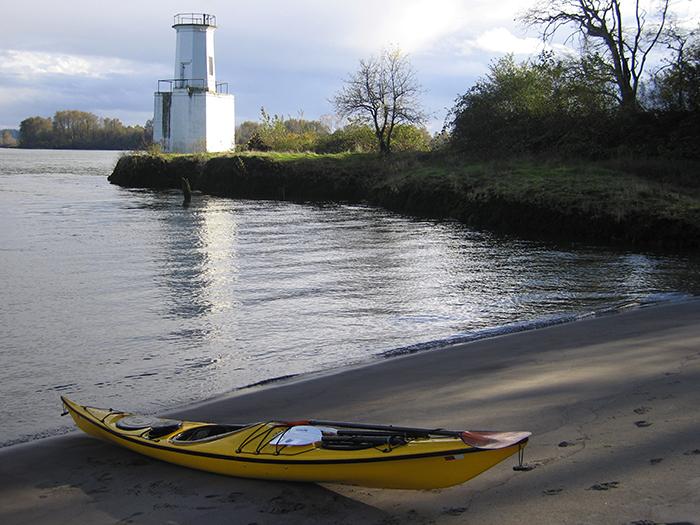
612	403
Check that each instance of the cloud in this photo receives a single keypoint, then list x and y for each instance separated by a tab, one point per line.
501	40
417	25
29	64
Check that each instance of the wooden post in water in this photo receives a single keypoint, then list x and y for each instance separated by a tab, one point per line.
186	191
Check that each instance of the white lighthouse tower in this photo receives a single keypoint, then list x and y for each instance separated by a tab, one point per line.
193	112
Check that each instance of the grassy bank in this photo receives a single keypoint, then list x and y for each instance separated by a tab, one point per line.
640	203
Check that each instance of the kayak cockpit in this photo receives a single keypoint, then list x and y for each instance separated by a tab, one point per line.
154	427
207	432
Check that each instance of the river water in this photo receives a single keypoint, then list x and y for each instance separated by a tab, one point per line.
124	298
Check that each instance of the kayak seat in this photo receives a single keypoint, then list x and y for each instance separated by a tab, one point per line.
164	429
155	426
205	432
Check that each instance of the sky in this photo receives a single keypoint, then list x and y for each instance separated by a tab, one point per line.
289	56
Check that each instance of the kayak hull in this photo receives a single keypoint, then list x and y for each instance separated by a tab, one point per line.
418	464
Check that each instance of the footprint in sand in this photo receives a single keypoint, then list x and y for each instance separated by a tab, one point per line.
605	486
642	423
283	505
551	492
655	461
97	490
232	496
642	410
692	452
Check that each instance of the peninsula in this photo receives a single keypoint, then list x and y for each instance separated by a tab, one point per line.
647	204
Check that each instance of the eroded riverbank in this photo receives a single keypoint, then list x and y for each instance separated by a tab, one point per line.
584	202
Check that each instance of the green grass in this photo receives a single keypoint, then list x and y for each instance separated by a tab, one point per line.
643	182
614	188
579	186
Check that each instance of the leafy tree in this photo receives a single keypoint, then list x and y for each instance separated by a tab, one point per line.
300	125
533	106
563	107
7	140
600	26
441	141
245	131
148	133
276	133
354	137
383	93
411	138
676	86
257	143
360	138
35	132
72	128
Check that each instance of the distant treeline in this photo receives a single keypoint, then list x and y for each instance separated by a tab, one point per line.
326	135
74	129
569	108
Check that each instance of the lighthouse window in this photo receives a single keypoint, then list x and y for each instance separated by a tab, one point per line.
211	66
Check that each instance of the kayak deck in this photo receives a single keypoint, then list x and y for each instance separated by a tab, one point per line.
367	455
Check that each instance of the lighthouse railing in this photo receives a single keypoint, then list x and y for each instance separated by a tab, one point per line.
197	19
167	85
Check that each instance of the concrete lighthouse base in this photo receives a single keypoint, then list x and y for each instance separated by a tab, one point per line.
190	121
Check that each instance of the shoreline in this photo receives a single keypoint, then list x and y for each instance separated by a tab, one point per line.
612	402
480	334
487	333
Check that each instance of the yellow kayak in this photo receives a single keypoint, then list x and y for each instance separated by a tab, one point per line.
313	451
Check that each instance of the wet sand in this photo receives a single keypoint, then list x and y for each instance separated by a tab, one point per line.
612	403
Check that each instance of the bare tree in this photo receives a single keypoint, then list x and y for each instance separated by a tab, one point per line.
383	92
601	24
